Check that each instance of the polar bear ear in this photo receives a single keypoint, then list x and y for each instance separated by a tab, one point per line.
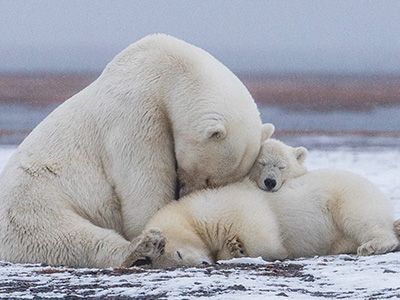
301	154
216	132
267	130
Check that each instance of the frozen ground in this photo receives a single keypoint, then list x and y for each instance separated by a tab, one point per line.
344	276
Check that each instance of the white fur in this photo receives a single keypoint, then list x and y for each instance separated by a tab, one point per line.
199	225
316	213
84	183
320	213
276	163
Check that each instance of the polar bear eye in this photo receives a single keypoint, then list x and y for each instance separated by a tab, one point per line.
179	254
262	163
281	168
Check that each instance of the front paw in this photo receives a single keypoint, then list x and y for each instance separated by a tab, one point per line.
146	247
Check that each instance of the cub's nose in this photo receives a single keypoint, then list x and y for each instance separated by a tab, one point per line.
270	183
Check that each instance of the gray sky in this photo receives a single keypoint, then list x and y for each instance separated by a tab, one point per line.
248	36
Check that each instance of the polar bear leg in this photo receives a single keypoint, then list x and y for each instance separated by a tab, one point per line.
369	224
385	240
86	245
374	236
103	248
77	242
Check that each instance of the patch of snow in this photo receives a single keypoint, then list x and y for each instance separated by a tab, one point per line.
244	260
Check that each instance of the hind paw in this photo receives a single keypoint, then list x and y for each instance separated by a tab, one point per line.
236	248
377	247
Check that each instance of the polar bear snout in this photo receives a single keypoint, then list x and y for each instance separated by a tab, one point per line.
269	183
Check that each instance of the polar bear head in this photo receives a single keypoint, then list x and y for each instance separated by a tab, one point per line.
223	152
276	163
182	249
223	155
218	134
183	244
176	255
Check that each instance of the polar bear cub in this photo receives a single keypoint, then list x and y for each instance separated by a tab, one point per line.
319	213
276	163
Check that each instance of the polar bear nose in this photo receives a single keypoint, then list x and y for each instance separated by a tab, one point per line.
270	183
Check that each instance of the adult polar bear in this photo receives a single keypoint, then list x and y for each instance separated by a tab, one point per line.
84	183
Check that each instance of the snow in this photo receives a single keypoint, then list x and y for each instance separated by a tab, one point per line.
342	276
5	154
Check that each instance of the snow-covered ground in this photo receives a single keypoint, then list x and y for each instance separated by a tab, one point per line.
343	276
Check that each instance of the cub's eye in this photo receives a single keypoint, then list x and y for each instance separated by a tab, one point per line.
281	168
179	254
262	163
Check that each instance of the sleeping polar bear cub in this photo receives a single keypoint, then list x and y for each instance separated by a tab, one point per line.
319	213
276	163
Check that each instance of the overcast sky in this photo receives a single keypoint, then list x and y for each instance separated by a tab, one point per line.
246	35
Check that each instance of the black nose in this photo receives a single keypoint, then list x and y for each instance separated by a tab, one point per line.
270	183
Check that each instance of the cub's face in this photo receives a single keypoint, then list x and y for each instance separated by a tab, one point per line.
277	163
181	253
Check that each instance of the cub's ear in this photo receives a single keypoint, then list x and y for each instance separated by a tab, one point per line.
267	130
301	154
216	132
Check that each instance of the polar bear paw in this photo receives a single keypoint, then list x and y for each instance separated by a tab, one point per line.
396	227
146	247
377	246
236	248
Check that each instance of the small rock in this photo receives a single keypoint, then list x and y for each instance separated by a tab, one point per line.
389	271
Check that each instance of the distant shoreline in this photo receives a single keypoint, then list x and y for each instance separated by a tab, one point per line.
307	105
311	91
